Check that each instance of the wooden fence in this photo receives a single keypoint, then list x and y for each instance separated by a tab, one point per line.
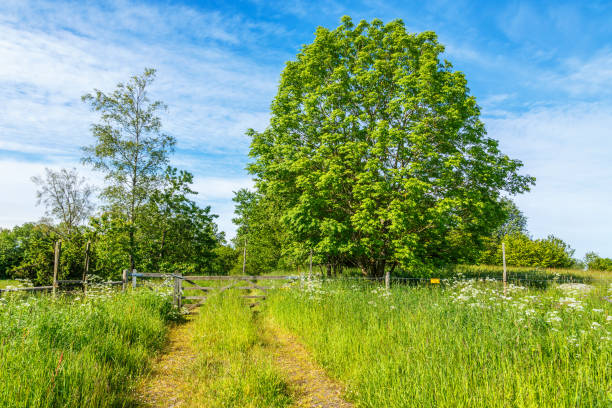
239	282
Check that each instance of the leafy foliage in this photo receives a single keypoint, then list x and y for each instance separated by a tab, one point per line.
259	227
551	252
66	196
27	251
597	263
376	154
149	220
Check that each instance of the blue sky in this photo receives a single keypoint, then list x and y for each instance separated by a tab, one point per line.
541	72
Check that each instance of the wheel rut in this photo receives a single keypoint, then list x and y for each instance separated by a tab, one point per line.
308	382
168	383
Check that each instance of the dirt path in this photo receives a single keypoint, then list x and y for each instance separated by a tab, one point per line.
308	382
168	382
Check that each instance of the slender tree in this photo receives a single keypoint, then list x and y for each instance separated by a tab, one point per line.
66	196
129	147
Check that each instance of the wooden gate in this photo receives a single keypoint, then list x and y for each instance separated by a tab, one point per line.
195	283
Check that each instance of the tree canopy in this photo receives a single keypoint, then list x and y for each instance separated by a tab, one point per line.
376	152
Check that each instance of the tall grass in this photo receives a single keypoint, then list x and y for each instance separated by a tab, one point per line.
233	368
74	352
462	345
525	274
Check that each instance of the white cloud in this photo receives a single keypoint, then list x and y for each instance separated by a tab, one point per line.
568	151
54	52
590	77
215	188
207	85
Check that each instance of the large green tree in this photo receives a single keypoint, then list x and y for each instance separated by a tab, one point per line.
129	148
376	152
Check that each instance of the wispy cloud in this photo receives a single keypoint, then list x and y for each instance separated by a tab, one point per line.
52	53
590	77
568	150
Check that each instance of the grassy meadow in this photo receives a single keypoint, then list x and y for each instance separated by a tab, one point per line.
78	352
461	344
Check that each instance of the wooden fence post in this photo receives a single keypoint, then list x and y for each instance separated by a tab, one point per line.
505	274
387	279
174	292
244	257
86	268
310	268
180	291
133	279
56	260
124	278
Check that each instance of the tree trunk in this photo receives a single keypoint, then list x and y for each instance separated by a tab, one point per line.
162	246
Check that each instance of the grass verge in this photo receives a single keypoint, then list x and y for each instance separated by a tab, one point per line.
74	352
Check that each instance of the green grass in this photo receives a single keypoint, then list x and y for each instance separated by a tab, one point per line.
233	369
463	344
74	352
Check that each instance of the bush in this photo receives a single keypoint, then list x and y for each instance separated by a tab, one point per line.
551	252
597	263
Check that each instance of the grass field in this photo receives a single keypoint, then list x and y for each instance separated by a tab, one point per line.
460	343
464	344
74	352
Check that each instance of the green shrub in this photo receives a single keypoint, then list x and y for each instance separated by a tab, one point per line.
521	250
597	263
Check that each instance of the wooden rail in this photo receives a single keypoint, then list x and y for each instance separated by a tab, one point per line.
59	282
240	277
32	289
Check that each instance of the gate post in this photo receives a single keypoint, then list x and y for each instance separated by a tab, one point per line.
174	294
124	279
179	291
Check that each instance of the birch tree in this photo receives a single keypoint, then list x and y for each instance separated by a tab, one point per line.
130	148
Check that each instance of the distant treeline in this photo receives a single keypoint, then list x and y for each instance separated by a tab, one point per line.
27	251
